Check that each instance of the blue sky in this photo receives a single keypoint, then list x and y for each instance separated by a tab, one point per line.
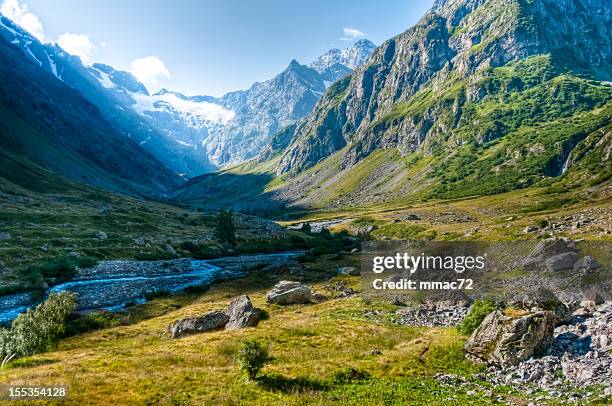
210	47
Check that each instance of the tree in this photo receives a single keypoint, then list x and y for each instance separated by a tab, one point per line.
39	329
225	229
253	356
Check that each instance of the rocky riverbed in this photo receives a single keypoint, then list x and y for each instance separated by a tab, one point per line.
113	284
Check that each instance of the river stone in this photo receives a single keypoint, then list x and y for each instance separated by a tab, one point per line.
208	322
242	314
101	235
348	270
5	235
505	341
289	292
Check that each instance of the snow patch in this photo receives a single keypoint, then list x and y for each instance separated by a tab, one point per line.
189	110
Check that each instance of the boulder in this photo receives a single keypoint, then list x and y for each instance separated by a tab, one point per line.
586	264
505	340
242	314
548	248
348	270
208	322
5	235
101	235
170	250
562	261
288	292
532	300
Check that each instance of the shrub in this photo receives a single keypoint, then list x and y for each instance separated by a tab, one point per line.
152	294
479	310
225	229
39	329
253	355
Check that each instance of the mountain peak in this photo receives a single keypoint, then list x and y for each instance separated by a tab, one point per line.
350	57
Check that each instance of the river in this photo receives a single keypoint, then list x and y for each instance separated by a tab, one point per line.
110	285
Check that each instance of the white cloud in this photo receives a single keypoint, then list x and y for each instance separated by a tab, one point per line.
351	34
149	70
103	44
77	44
20	14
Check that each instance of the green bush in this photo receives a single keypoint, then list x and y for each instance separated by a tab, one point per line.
253	355
62	268
479	310
39	329
91	322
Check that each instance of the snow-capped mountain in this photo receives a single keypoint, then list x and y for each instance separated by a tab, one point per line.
252	117
337	63
193	135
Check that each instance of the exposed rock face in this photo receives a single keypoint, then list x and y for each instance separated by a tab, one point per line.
242	314
208	322
456	39
506	341
288	292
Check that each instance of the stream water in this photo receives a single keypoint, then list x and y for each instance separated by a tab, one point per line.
110	285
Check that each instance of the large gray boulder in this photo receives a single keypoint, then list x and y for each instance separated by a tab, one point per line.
208	322
562	261
288	292
242	314
504	340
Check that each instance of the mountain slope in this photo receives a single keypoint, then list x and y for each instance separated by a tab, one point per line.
53	125
480	97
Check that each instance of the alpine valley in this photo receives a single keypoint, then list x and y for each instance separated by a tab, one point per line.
164	248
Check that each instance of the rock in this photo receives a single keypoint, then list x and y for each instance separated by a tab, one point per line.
541	299
208	322
170	250
5	235
74	254
101	235
348	270
562	261
354	250
289	292
242	314
554	246
529	229
319	298
139	241
587	264
505	341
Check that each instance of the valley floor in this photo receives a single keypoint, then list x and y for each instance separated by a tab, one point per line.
342	351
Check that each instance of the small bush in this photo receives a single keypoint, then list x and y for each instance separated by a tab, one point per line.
253	355
349	375
39	329
479	310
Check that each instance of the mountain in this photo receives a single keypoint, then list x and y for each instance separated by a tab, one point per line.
337	63
47	123
239	125
479	97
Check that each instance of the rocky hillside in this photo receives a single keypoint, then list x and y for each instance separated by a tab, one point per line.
46	122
